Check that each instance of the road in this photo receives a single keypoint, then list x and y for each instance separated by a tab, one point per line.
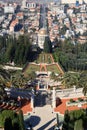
43	16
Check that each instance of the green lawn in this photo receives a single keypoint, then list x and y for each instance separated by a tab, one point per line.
53	68
44	58
31	68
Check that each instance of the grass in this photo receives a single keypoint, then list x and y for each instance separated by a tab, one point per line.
44	58
53	68
31	68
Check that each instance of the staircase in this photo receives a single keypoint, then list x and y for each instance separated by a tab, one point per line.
43	118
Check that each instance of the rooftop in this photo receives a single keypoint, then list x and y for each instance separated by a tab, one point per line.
43	31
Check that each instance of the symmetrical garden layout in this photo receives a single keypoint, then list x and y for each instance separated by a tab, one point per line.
44	63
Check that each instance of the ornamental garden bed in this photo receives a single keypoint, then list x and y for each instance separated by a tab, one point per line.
79	101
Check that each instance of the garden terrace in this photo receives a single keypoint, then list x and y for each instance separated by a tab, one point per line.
53	68
31	67
24	105
62	107
79	102
45	58
44	63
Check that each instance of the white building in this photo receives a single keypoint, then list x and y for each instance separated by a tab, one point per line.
29	5
9	9
23	4
41	37
72	1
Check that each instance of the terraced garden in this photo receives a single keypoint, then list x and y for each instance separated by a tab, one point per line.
32	67
53	68
45	58
45	62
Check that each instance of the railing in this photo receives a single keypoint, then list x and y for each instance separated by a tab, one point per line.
69	90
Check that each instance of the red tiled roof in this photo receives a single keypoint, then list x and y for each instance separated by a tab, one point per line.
20	14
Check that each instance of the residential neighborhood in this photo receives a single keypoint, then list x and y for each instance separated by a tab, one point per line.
63	22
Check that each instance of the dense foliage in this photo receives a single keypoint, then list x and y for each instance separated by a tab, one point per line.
18	50
71	56
75	120
4	77
11	120
8	116
47	45
21	120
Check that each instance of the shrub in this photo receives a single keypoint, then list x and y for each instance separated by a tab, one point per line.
6	115
75	120
80	99
71	100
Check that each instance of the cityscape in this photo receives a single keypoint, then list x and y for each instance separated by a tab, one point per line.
43	65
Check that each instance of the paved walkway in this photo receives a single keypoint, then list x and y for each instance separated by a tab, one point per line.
43	118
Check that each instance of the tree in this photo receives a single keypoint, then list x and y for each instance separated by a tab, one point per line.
66	120
78	125
7	114
31	76
16	124
8	124
47	45
4	78
12	52
70	79
21	120
18	80
52	75
83	82
57	117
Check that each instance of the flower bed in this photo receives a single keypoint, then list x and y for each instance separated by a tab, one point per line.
79	101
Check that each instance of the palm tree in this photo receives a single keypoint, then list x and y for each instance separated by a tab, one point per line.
55	77
70	79
83	82
18	80
31	76
4	78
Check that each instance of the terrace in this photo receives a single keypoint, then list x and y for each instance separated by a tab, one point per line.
63	107
16	105
44	63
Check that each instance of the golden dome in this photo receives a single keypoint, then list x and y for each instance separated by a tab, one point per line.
43	31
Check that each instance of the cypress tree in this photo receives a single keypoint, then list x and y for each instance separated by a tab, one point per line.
8	124
21	120
78	125
47	45
66	121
